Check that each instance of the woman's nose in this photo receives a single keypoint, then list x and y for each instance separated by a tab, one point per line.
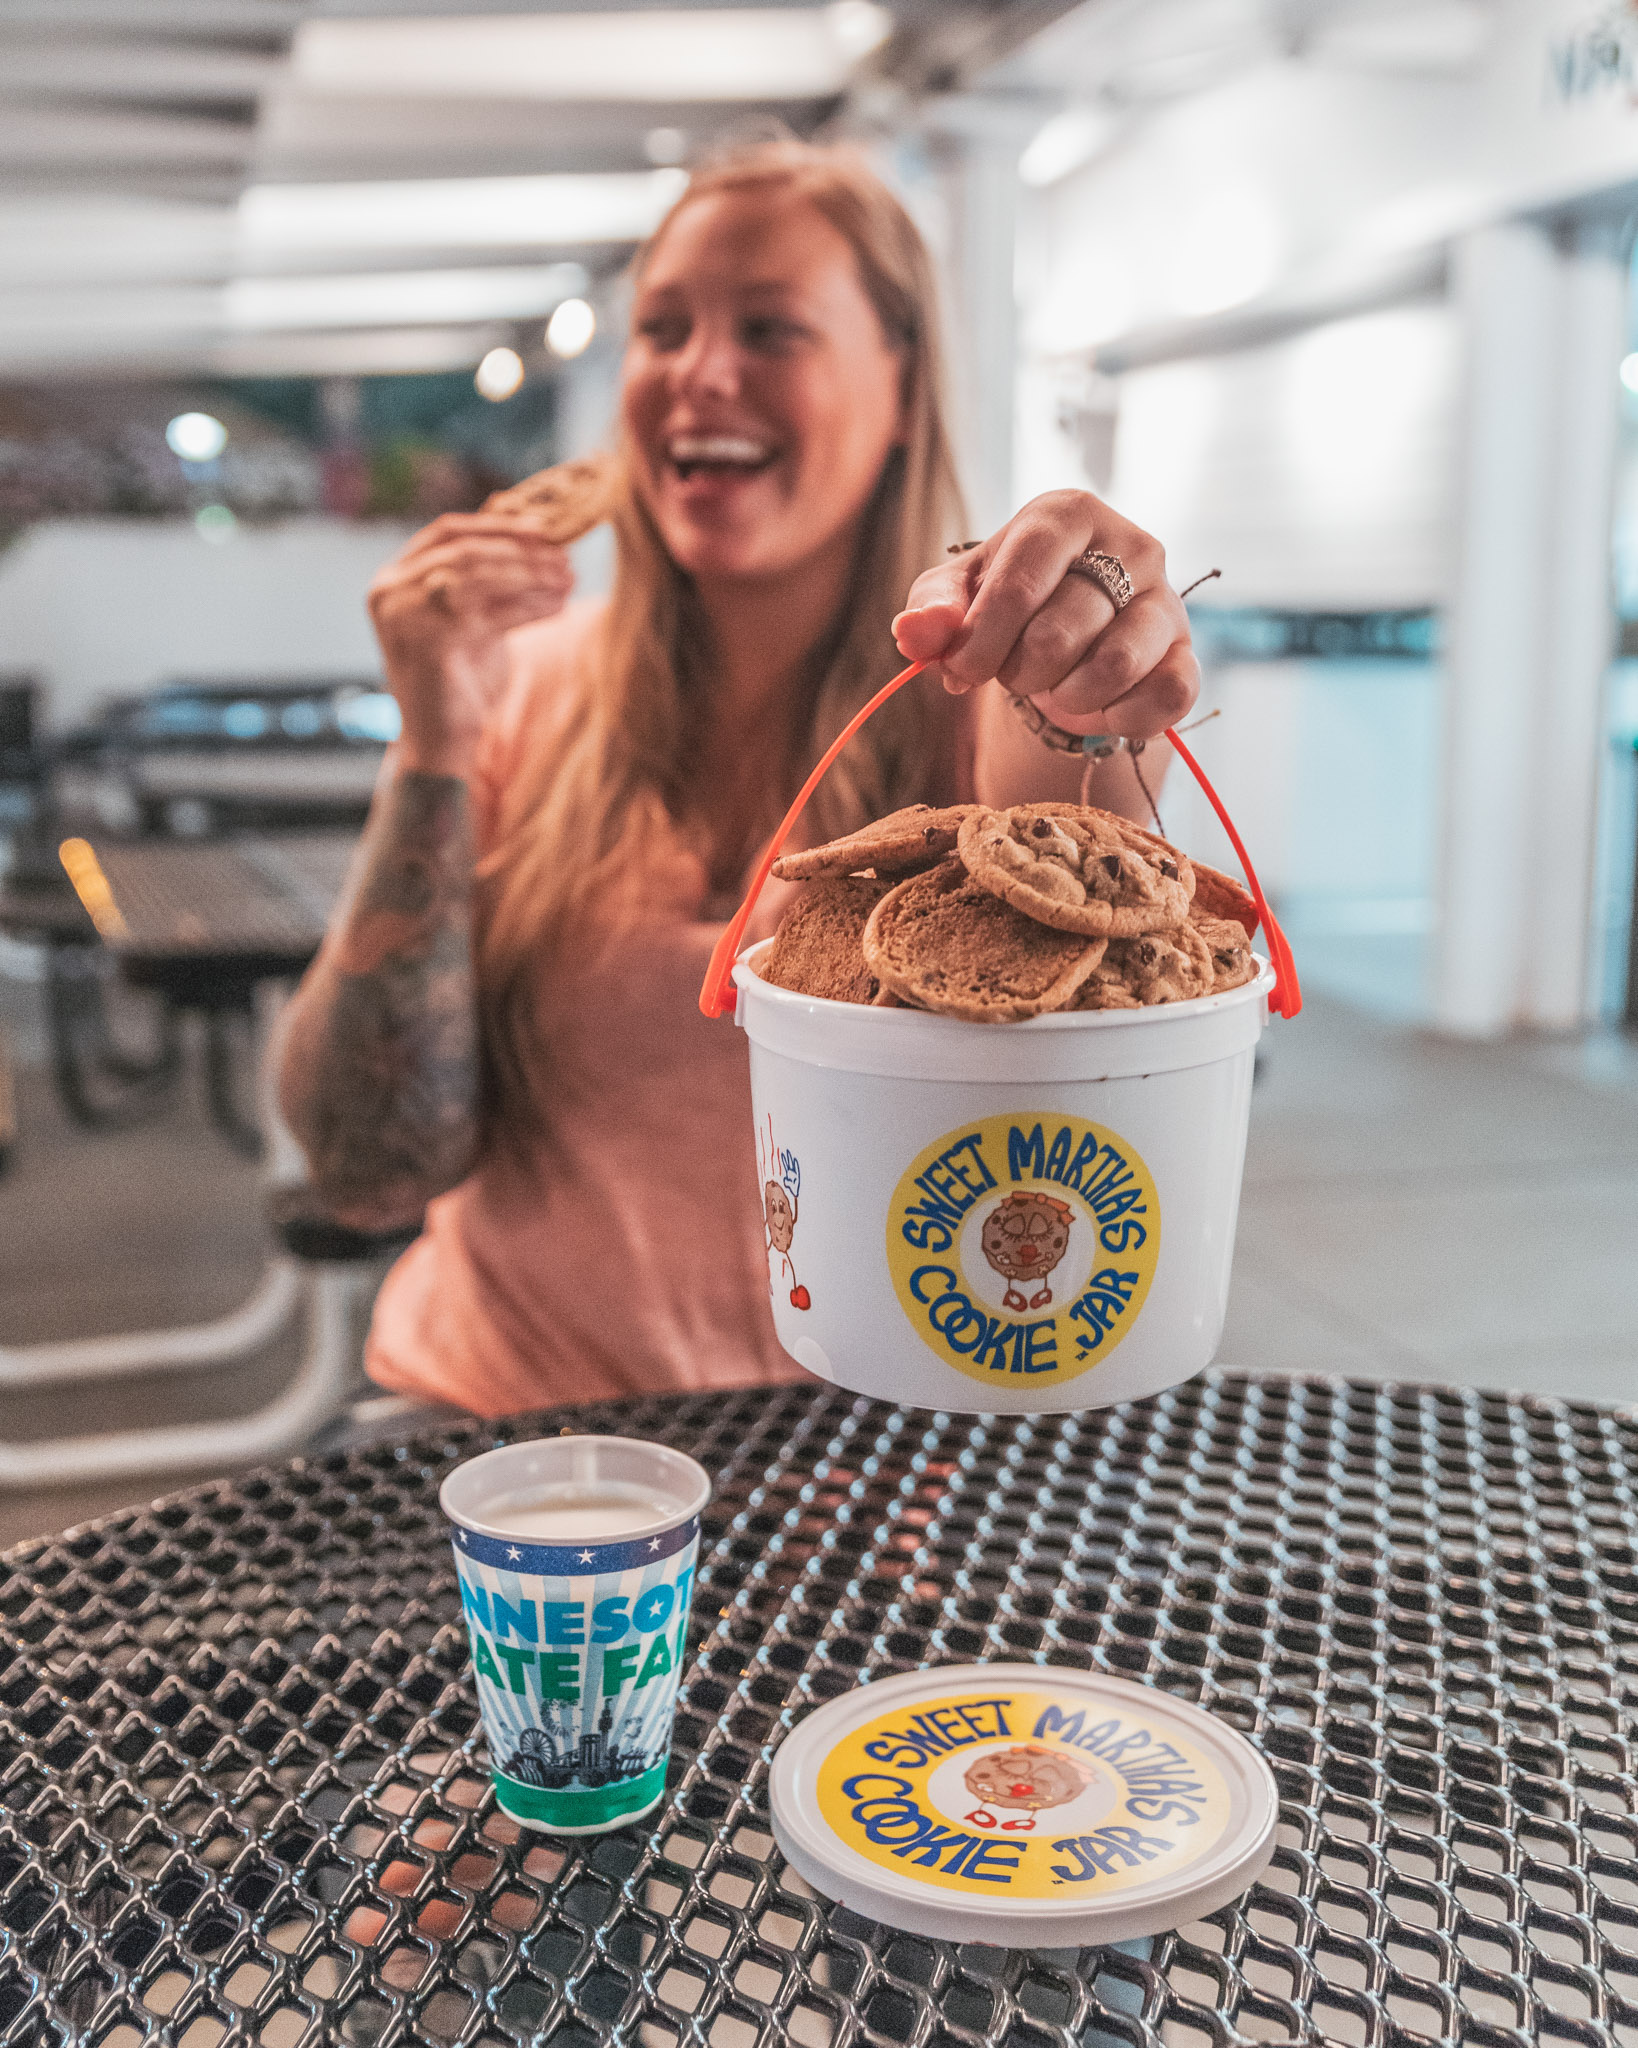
709	363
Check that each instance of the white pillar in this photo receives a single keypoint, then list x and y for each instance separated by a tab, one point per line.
982	139
1505	286
1580	624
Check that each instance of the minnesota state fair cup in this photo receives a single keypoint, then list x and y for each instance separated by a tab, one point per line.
576	1560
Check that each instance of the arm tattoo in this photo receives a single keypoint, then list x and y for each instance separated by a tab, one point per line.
380	1068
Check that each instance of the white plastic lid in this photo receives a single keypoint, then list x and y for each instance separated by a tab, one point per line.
1023	1806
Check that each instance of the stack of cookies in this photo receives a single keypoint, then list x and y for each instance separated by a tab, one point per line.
995	916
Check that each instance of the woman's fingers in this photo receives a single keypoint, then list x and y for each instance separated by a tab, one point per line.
450	526
1105	663
1158	699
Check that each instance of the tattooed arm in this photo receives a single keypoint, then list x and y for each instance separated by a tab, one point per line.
379	1074
379	1070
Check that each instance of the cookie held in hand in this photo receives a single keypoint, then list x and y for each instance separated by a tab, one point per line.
560	503
818	950
903	842
1077	869
944	943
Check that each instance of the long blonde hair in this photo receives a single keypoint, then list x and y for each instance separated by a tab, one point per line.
602	796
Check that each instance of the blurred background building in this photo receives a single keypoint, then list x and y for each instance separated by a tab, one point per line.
1335	296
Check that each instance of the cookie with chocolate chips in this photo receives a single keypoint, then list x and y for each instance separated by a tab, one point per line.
942	942
1160	967
1077	869
1219	895
1230	949
560	503
917	837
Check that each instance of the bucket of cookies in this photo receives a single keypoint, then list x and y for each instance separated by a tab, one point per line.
1001	1070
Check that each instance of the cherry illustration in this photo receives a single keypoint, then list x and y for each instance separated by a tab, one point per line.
800	1298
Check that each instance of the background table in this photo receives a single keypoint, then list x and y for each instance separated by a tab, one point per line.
244	1793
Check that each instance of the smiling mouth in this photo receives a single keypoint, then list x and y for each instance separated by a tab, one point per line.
717	455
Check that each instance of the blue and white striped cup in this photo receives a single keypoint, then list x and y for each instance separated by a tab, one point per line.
577	1646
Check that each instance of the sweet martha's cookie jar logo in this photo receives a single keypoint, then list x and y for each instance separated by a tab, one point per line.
1027	1794
1024	1244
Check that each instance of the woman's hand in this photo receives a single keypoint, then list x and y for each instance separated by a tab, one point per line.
442	611
1014	609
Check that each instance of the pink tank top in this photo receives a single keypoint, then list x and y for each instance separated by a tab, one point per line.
624	1252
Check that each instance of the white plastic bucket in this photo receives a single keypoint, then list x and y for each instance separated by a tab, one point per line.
1000	1217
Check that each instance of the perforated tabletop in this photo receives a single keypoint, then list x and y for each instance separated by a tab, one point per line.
245	1795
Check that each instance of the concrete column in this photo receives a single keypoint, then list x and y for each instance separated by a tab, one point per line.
979	145
1580	623
1505	283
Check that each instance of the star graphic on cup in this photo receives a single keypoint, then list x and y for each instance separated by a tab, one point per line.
514	1553
585	1557
654	1543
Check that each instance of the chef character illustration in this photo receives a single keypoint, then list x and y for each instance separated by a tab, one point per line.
779	1208
1024	1237
1025	1777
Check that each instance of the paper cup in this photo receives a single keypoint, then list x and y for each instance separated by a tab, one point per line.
577	1647
1000	1217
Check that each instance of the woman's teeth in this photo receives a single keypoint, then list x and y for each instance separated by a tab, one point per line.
717	451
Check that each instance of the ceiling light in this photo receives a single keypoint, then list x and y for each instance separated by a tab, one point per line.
665	145
215	523
1068	141
694	53
1629	372
455	213
570	329
196	436
499	374
406	298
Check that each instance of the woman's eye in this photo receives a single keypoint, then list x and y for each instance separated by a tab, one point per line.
663	330
768	332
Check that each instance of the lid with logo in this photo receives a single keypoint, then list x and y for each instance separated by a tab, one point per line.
1022	1805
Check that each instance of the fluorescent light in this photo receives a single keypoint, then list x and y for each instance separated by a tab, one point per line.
455	213
695	53
375	352
391	298
570	329
196	436
1068	141
499	374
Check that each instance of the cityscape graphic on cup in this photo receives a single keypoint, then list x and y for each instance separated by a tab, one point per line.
577	1646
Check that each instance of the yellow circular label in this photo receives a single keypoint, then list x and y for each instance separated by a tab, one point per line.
1027	1794
1024	1244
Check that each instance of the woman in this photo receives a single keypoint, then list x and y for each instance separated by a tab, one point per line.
503	1016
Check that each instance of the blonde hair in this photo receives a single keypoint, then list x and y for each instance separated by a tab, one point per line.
602	797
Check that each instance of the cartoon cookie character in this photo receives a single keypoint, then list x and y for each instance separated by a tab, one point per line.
779	1209
1024	1237
1024	1777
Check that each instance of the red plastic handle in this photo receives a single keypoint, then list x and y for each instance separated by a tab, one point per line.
1286	999
717	990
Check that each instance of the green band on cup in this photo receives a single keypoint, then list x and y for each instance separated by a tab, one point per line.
594	1807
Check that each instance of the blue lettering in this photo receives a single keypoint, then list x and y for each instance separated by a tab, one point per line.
1026	1157
652	1610
475	1599
565	1623
522	1620
609	1617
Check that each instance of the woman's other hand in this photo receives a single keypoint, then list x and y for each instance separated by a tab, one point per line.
442	610
1014	609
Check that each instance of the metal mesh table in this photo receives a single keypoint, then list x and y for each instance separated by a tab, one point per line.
243	1793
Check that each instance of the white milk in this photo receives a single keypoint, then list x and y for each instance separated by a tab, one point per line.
573	1514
